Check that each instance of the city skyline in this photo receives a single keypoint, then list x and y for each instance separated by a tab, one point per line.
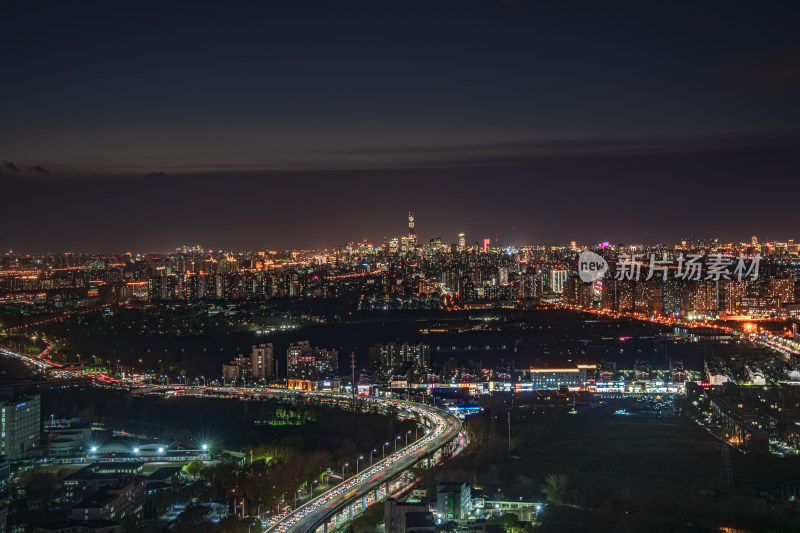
492	241
401	267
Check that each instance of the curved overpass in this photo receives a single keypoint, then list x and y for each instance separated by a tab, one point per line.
442	428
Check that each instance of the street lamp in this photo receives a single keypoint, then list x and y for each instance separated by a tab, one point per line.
395	442
344	468
407	434
370	456
384	449
357	460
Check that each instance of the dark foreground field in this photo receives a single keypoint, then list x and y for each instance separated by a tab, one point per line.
640	472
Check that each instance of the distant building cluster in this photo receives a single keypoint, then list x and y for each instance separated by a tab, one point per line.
309	363
400	359
403	273
307	367
259	366
771	291
748	417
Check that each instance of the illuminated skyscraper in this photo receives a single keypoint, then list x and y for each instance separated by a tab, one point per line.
557	280
412	236
462	242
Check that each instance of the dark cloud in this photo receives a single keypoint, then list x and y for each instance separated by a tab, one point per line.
513	152
779	72
11	166
39	170
500	153
465	155
594	197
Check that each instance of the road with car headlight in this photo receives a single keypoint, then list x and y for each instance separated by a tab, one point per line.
442	428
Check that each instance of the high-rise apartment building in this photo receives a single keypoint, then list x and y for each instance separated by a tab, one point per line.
781	288
700	296
311	363
391	355
647	298
262	358
557	280
670	296
21	425
502	276
731	292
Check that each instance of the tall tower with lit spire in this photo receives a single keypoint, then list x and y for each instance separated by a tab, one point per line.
412	236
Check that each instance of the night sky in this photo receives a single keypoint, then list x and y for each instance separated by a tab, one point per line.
136	126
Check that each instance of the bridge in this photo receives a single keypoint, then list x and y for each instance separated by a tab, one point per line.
330	510
442	437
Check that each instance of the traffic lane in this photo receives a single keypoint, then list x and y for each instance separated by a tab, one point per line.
313	517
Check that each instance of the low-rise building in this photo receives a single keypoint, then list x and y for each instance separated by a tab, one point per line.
555	378
420	522
120	500
395	513
240	368
63	443
80	526
334	384
453	500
